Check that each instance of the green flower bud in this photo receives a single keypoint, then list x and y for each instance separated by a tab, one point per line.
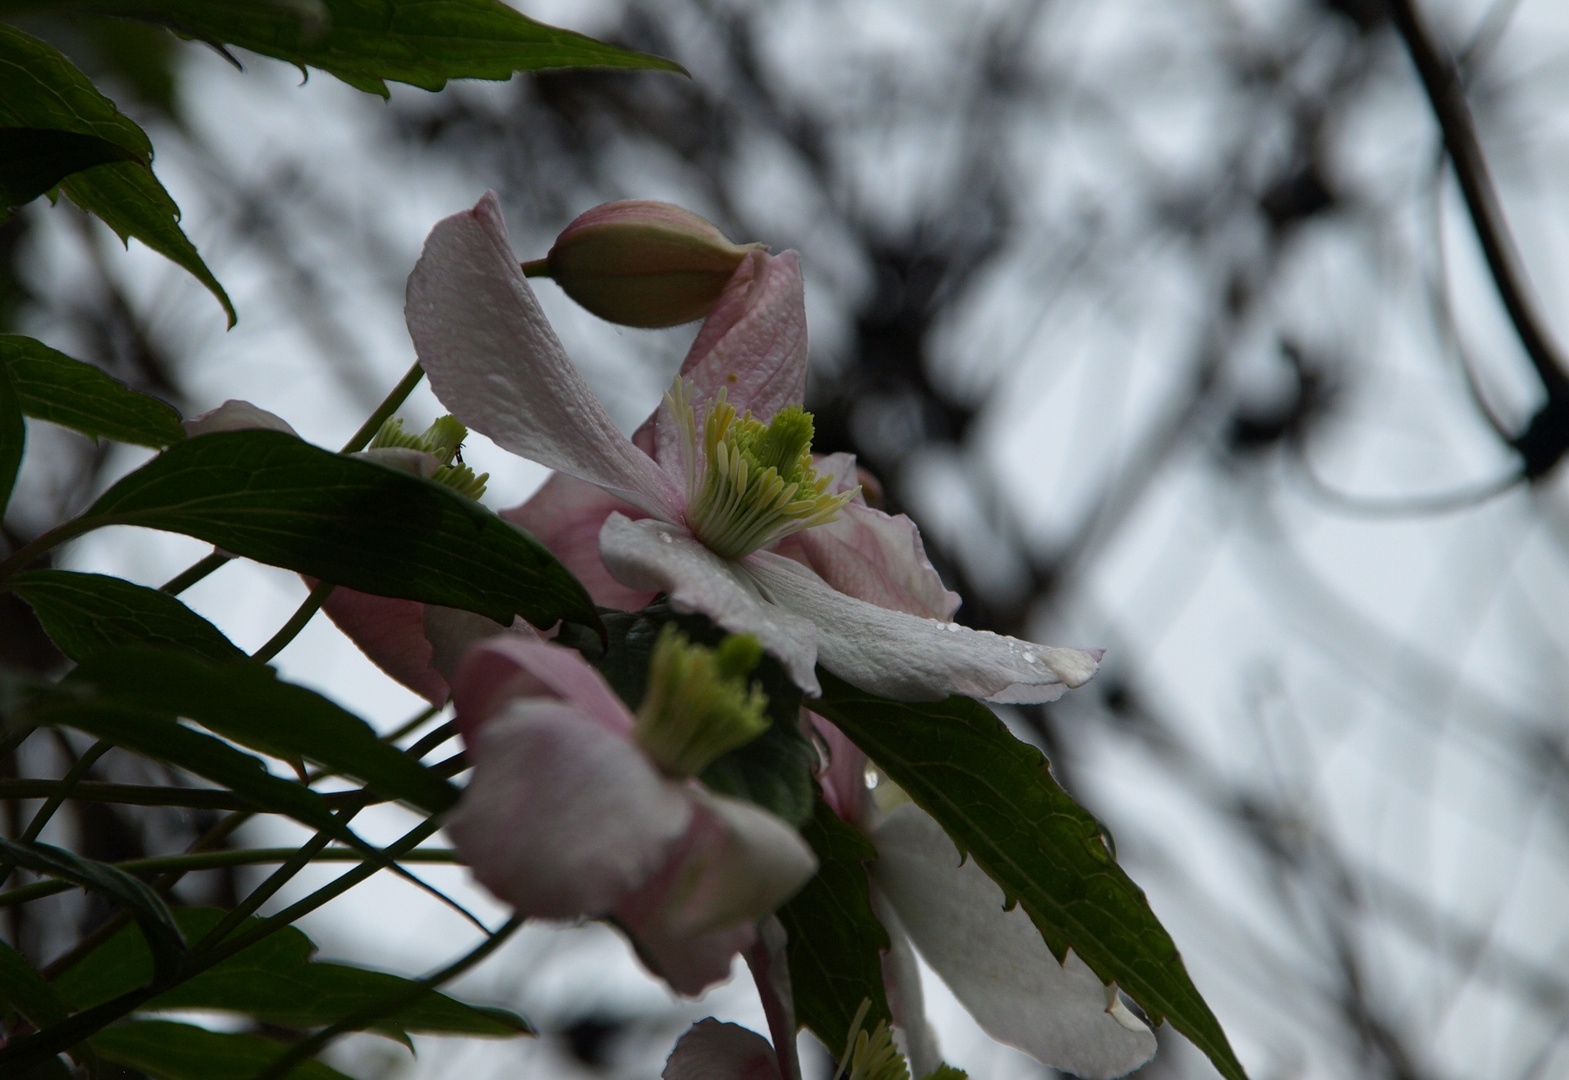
698	705
642	263
443	441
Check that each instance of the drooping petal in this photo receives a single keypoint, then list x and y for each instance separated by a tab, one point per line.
392	634
566	515
877	558
493	359
236	415
693	963
737	863
914	659
562	818
752	345
769	960
452	631
652	555
510	666
844	780
995	962
902	983
711	1050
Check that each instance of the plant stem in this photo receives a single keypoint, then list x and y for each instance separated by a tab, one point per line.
25	554
194	573
291	629
536	268
389	405
67	783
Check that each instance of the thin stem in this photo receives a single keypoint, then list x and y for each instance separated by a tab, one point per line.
389	405
308	1047
150	795
22	556
194	573
291	629
432	740
536	268
67	783
217	860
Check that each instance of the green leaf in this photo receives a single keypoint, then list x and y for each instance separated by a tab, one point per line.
270	497
87	613
774	770
158	736
24	990
33	160
148	908
165	1050
72	393
13	439
997	799
131	201
834	938
40	88
946	1072
364	42
248	704
276	982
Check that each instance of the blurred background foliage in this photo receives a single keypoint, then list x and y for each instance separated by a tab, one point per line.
1166	322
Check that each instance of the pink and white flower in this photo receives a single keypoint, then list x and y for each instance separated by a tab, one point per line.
692	505
566	816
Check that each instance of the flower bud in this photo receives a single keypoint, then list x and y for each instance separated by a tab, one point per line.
698	706
642	263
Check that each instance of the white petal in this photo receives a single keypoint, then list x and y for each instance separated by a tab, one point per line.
995	961
714	1051
234	415
902	982
493	359
914	659
563	818
652	555
757	863
871	556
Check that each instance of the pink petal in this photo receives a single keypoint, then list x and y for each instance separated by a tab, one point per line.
507	667
906	1001
880	559
392	634
493	359
753	345
714	1051
652	555
563	818
914	659
768	957
735	864
994	960
844	780
566	515
234	415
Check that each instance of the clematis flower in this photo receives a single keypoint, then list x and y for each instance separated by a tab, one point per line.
993	959
577	808
717	500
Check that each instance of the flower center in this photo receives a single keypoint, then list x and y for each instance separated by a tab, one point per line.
871	1055
698	705
443	441
753	483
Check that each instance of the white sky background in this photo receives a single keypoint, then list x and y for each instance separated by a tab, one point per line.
1381	676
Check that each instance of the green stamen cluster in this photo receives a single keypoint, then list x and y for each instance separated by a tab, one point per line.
872	1056
443	441
698	705
757	484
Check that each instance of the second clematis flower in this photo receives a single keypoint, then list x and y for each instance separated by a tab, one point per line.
579	808
717	500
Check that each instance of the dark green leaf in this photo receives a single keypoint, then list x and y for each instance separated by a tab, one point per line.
270	497
165	1050
275	982
88	613
157	735
834	939
55	387
40	88
997	799
247	703
131	201
363	42
33	160
13	439
151	914
774	770
25	991
946	1072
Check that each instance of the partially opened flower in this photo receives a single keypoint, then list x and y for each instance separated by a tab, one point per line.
717	500
579	808
993	959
